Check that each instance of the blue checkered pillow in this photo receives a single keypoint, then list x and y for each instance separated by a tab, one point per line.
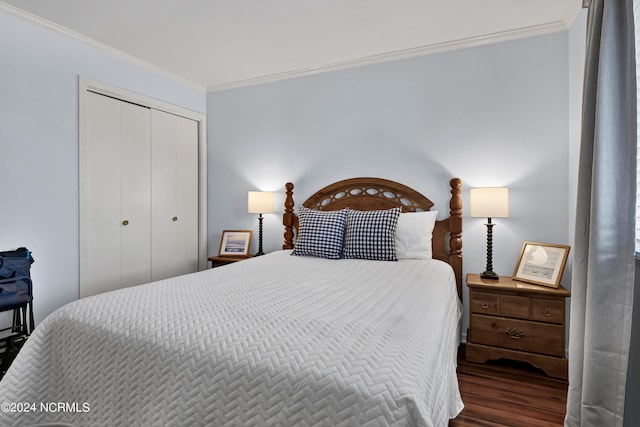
371	234
320	233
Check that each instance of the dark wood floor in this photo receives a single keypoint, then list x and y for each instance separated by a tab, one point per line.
9	347
509	394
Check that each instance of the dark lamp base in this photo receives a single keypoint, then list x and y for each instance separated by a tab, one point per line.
489	275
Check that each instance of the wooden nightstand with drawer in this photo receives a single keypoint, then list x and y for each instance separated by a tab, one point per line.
518	321
218	261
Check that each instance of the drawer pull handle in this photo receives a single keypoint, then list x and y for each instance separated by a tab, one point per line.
547	312
514	333
485	306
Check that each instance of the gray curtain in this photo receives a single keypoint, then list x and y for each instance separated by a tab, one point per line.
603	253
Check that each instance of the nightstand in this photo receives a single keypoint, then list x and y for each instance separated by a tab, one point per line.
217	261
518	321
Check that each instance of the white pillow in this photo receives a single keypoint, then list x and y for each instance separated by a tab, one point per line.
413	235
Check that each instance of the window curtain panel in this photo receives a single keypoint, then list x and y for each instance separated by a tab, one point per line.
604	262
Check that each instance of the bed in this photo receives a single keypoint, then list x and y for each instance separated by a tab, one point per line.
275	340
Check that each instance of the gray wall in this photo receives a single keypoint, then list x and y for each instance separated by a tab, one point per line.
577	40
496	115
491	115
39	144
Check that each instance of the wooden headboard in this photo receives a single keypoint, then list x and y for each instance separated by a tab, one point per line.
376	193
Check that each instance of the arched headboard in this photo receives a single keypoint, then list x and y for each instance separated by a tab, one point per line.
378	193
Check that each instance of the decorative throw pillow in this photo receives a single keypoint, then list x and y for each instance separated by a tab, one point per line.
371	234
413	235
320	233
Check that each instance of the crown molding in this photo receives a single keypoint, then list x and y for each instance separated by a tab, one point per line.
59	29
519	33
573	10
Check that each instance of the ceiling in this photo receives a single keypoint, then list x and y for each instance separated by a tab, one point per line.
217	44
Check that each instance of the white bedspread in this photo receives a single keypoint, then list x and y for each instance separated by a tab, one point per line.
276	340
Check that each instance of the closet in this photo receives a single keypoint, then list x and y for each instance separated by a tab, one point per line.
140	182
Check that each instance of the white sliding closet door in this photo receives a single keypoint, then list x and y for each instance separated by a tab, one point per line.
115	195
142	189
174	195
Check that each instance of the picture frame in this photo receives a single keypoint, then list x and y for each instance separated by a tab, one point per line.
541	263
235	243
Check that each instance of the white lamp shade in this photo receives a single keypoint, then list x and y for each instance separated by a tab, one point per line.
489	202
261	202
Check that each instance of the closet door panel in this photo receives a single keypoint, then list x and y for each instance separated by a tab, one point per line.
115	191
163	194
187	196
135	195
100	197
174	195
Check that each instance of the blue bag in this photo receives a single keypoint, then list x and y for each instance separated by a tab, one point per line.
15	265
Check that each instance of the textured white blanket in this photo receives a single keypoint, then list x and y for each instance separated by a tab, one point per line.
276	340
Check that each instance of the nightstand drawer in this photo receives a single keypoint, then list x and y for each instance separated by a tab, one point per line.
485	303
518	334
514	306
500	305
547	310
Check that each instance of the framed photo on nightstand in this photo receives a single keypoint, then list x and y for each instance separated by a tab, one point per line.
541	263
235	243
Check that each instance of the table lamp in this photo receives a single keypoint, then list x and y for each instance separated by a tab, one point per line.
260	202
489	202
